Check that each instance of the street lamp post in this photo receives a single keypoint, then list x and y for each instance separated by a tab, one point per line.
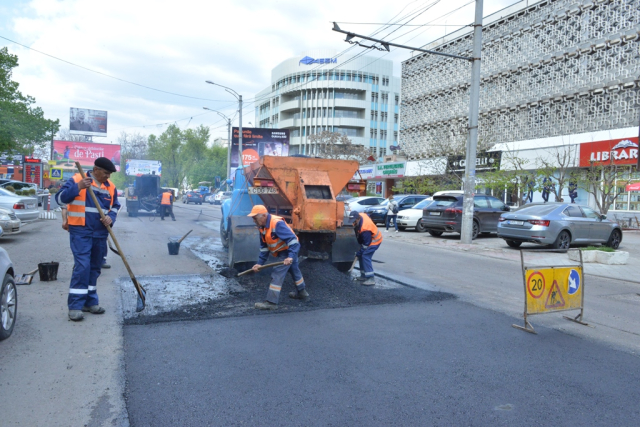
239	98
228	140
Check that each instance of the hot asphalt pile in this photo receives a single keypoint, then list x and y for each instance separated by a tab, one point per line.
328	288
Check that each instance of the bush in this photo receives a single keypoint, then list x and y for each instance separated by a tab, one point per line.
10	188
599	248
31	192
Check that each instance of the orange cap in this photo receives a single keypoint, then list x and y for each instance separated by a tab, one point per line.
258	209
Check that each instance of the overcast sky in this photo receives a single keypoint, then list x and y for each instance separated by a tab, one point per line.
174	46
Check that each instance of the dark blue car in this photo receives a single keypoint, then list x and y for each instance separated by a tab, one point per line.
378	213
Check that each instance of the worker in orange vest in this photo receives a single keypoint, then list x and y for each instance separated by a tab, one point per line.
278	239
166	204
369	238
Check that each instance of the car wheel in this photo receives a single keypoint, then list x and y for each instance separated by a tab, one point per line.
435	233
563	241
475	231
420	227
8	306
513	243
614	239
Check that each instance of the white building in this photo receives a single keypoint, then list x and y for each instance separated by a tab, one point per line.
221	142
321	90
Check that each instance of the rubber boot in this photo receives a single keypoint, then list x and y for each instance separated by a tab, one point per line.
303	295
266	305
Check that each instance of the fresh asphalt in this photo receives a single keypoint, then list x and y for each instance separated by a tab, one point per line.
414	363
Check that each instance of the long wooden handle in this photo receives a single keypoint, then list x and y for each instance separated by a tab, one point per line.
185	236
102	215
261	268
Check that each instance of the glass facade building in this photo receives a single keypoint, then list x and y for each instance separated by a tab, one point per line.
321	90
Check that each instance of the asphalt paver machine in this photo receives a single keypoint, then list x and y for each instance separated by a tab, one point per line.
303	191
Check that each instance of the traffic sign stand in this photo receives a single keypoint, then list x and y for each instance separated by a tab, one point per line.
544	290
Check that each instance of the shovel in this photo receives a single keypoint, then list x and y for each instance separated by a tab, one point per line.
275	264
25	279
353	265
142	293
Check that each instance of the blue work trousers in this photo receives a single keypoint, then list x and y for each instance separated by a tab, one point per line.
88	255
364	257
391	216
278	275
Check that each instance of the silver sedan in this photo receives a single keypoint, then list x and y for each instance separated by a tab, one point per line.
559	225
9	222
25	208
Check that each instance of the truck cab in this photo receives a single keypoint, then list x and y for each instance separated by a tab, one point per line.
143	195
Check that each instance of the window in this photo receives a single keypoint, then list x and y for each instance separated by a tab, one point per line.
385	97
590	213
373	151
374	96
573	211
480	202
295	132
496	203
374	133
384	116
395	118
322	192
397	99
383	134
383	151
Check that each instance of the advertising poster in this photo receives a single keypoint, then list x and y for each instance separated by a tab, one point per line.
258	142
622	151
143	167
83	121
66	153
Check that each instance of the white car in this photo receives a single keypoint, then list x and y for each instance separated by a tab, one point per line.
8	296
9	222
221	196
412	218
359	204
25	208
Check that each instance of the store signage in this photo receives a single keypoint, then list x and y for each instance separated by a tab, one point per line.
366	172
389	170
614	151
307	60
484	161
28	159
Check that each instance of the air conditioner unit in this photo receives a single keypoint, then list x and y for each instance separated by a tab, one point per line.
391	158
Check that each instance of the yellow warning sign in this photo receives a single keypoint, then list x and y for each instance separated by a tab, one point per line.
553	289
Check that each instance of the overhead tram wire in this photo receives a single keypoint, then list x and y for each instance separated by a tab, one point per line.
110	76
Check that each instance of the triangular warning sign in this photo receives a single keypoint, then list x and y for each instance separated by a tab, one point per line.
554	299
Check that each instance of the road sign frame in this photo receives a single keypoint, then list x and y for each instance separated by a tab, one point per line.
528	327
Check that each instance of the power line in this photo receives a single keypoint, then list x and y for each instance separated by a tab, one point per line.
108	75
406	25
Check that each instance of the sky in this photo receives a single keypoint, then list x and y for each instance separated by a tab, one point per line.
175	46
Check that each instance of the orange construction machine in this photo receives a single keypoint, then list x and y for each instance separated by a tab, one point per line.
303	191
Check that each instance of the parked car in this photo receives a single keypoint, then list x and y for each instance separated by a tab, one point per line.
192	197
25	208
9	222
40	193
8	296
359	204
444	215
344	197
559	225
209	198
412	217
221	196
378	213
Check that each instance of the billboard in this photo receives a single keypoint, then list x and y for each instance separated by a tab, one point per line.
83	121
142	167
258	142
623	151
65	153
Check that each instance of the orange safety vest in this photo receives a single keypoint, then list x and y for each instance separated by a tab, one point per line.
77	208
266	234
166	199
368	225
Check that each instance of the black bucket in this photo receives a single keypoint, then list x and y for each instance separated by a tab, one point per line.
174	248
48	271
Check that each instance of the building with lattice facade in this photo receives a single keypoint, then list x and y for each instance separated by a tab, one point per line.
323	91
549	68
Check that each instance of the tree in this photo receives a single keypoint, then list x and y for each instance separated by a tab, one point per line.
605	181
22	125
334	145
555	167
167	148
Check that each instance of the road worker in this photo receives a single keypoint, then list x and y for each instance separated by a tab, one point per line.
278	239
166	204
369	238
88	233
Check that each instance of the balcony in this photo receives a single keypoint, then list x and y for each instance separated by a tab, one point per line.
290	106
289	123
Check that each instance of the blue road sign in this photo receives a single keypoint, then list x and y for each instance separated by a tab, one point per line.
574	282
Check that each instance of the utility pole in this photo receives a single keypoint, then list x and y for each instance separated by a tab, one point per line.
474	105
466	233
228	120
239	98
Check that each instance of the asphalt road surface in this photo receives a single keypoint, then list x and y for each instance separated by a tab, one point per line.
416	360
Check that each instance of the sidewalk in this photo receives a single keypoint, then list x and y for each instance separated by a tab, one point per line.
494	247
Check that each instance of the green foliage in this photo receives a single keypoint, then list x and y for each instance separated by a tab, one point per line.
426	184
10	188
22	125
119	180
186	156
